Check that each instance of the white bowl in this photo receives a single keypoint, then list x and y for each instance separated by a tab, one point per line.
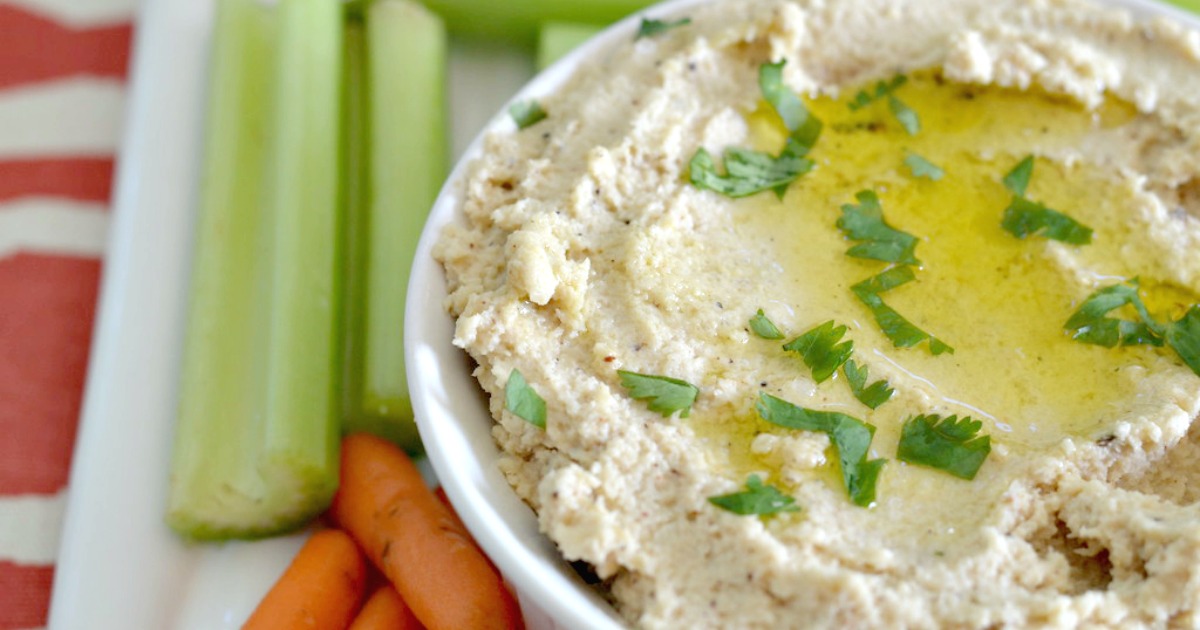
452	413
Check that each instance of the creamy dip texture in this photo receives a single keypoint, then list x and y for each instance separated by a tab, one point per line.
586	250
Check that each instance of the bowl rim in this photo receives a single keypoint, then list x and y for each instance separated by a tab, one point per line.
456	428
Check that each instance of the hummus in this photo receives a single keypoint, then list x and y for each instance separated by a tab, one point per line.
585	251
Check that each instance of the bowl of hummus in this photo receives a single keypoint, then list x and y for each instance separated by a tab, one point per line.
868	313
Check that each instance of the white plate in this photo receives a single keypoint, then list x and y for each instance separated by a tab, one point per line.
120	567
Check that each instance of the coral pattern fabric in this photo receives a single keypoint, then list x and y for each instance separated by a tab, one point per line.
56	58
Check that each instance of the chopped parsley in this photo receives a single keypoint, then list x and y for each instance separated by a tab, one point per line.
850	436
903	114
523	401
903	333
764	327
1091	324
880	241
803	126
665	395
921	167
948	444
821	351
651	27
1024	217
871	395
526	113
757	499
748	172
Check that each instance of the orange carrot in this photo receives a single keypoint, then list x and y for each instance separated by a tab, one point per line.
322	588
418	544
385	610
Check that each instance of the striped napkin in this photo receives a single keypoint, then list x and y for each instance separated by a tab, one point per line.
62	94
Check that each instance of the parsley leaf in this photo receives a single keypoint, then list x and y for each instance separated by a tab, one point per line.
1017	180
764	327
523	401
821	351
1184	336
803	126
756	499
921	167
903	333
850	436
650	27
666	395
1023	217
748	172
882	88
873	395
905	115
864	222
947	444
1091	324
526	113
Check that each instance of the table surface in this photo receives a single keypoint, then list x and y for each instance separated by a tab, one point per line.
63	72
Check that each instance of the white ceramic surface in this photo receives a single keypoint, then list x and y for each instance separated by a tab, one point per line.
120	568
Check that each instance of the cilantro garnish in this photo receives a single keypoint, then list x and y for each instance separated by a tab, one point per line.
757	499
748	172
821	351
1017	180
921	167
526	113
948	444
903	333
1091	323
1184	336
886	89
850	436
666	395
803	126
871	395
1024	217
650	27
764	327
523	401
864	222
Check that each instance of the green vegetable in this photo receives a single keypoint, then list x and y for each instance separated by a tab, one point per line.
886	89
526	113
1091	323
850	436
523	401
872	395
748	172
650	28
757	499
903	333
556	39
256	443
1183	336
802	125
947	444
666	395
764	327
821	351
1017	180
864	222
405	165
905	115
920	167
1023	218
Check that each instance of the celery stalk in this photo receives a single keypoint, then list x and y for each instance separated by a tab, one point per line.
406	63
518	20
256	439
556	39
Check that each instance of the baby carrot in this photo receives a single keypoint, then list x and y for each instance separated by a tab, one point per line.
416	541
322	588
385	610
